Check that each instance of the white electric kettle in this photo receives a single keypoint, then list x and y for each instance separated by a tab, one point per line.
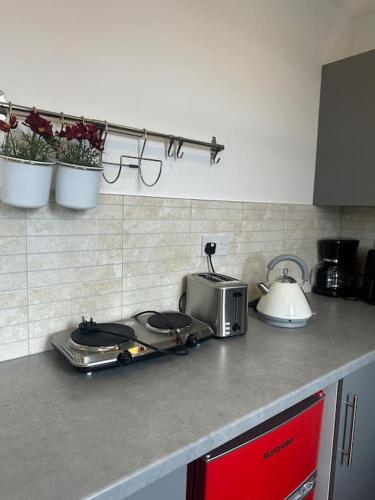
284	303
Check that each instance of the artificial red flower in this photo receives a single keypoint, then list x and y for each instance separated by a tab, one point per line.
7	126
38	124
83	132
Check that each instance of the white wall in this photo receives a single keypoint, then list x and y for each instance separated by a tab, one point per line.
247	71
354	37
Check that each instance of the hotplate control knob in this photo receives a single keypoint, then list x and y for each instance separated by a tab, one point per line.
125	358
191	341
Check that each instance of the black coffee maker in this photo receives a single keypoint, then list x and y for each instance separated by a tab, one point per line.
336	270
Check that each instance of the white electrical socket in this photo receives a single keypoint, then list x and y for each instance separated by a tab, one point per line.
221	243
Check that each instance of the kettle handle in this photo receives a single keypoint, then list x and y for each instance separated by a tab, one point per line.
293	258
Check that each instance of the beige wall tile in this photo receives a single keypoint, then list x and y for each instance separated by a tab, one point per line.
10	245
267	214
156	240
237	205
153	280
265	206
73	307
156	267
56	212
41	244
216	214
263	236
8	212
254	225
40	344
13	316
157	253
170	304
198	264
74	275
13	333
14	298
111	199
210	226
263	246
10	227
235	237
148	201
156	213
156	226
71	227
12	263
234	271
13	281
272	225
13	350
80	290
151	294
45	261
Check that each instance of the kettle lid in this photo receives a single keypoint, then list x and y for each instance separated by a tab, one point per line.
285	278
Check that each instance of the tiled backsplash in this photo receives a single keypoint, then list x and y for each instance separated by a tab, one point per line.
130	254
359	223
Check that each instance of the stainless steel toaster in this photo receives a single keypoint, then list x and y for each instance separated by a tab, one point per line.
220	301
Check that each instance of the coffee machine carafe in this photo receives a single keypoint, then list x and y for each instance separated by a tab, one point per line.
336	270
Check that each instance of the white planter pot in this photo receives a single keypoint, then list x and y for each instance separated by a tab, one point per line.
77	186
25	183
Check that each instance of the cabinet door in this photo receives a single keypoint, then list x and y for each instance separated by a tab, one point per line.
170	487
356	480
345	159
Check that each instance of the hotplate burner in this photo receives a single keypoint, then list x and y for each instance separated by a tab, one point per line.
94	346
165	320
102	336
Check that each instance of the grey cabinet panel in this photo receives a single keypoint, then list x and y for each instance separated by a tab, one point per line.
345	160
357	481
170	487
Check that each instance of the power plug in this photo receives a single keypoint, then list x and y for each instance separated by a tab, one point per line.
210	248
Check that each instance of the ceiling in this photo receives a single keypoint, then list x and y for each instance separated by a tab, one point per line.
356	8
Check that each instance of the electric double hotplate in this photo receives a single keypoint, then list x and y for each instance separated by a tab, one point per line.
93	346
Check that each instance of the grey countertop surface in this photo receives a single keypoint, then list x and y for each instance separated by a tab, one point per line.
64	435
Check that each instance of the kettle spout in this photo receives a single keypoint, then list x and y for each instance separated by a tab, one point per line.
263	288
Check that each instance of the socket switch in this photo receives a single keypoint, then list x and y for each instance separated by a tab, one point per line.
221	241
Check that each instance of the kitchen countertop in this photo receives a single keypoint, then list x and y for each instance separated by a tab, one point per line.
64	435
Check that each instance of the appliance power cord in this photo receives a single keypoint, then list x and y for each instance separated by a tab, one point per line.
210	265
126	338
179	341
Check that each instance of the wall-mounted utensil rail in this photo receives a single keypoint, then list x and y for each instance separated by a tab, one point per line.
173	140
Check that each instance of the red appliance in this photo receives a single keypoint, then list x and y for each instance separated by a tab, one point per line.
276	460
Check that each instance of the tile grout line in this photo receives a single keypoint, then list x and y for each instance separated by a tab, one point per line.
27	283
190	233
122	253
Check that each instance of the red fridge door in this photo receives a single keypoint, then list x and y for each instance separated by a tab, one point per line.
270	462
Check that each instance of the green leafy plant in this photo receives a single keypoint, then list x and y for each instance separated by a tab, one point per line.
81	144
37	144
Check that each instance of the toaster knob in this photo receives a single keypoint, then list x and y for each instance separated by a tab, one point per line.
236	327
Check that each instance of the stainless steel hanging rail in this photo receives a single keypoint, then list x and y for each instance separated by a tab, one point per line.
118	129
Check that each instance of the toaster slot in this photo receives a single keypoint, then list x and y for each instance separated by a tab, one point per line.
216	278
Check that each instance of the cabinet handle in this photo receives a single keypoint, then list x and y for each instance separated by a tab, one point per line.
349	452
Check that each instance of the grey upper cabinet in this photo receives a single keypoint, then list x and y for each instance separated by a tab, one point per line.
345	160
